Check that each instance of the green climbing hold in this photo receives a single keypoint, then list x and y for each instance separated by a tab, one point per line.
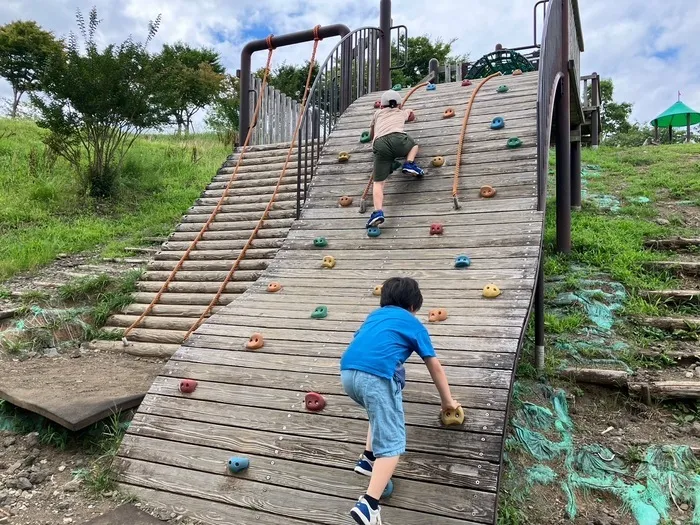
320	242
364	138
514	142
396	165
373	231
397	87
320	312
503	89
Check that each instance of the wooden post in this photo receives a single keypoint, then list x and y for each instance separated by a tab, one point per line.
595	114
563	190
576	171
539	316
656	132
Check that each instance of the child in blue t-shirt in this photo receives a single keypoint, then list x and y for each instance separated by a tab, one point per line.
372	374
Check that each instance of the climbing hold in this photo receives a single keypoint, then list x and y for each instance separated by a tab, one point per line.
343	156
487	192
431	87
436	229
187	386
517	72
491	291
462	261
314	402
255	342
321	312
396	165
514	142
377	104
449	113
437	315
452	417
388	490
466	82
438	161
328	261
502	89
320	242
274	287
364	138
373	231
498	123
397	87
377	290
238	464
345	201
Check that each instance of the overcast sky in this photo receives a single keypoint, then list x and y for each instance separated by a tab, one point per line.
648	48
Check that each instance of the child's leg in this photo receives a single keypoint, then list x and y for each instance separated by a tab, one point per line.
381	474
411	157
368	443
378	195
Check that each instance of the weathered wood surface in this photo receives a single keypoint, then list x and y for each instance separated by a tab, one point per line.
676	243
251	402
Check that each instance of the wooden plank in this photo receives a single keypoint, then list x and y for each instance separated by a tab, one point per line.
318	478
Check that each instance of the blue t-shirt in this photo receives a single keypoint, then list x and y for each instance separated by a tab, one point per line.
385	341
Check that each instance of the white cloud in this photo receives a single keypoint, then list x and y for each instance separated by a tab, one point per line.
625	40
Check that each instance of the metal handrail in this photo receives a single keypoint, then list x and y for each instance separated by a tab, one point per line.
355	56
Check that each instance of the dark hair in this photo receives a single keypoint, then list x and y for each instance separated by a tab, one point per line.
393	104
403	292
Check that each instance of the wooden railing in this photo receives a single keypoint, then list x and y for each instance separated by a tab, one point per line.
277	118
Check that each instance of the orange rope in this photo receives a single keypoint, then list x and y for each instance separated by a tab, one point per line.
408	95
462	136
217	209
265	213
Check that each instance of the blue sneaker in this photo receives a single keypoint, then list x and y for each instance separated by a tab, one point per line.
375	219
363	514
364	466
413	169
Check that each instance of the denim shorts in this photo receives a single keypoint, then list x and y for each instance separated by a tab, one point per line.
384	404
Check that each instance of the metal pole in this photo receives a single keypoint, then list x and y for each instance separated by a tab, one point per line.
433	67
687	131
670	134
385	45
576	171
539	316
279	41
656	132
563	192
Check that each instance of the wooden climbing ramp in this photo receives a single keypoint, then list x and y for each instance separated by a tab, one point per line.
251	402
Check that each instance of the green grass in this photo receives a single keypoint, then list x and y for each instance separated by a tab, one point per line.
43	211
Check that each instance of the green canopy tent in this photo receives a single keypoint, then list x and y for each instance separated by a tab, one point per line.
676	116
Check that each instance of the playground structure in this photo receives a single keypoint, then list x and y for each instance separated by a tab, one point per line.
247	423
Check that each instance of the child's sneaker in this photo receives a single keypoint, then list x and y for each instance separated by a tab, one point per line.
413	169
363	514
364	466
375	219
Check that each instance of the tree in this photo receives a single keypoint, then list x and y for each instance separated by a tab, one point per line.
224	114
96	103
420	51
614	115
25	49
189	79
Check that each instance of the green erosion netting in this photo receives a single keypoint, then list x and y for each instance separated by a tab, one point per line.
603	202
668	475
44	328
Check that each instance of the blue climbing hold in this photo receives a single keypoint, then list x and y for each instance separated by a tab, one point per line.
431	87
373	231
237	464
388	490
498	123
462	261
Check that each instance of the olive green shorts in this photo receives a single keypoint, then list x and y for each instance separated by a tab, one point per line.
386	150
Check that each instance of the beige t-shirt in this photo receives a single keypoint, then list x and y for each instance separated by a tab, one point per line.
389	120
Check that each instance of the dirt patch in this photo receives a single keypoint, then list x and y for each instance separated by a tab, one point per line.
686	215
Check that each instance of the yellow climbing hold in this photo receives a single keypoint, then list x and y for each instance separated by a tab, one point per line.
491	291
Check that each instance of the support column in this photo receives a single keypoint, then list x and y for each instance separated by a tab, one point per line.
595	115
539	316
670	134
576	172
433	67
687	130
385	45
563	192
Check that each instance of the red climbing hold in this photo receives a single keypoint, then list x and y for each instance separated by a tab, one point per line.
466	82
436	229
378	104
187	386
314	402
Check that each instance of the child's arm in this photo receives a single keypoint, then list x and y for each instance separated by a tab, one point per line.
409	115
440	380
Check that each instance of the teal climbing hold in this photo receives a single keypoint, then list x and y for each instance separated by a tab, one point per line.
320	242
373	231
388	490
462	261
238	464
364	138
498	123
431	87
397	87
321	312
514	142
502	89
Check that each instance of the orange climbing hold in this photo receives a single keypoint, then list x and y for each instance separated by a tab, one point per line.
517	72
314	402
345	201
274	287
487	192
329	261
449	113
255	342
437	315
